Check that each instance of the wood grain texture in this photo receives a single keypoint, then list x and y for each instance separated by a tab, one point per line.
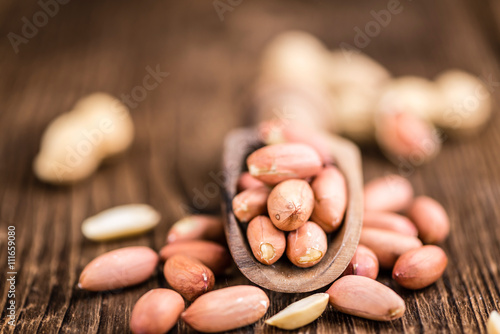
174	163
282	276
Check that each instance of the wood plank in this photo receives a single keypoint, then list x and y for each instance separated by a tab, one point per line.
98	45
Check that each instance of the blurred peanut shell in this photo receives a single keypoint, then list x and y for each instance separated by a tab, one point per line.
468	103
294	56
414	95
354	68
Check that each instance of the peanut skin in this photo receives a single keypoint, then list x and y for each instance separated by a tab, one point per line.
247	181
390	221
267	242
290	204
365	298
276	163
250	203
387	245
330	196
307	245
431	220
421	267
363	263
211	254
157	311
188	276
391	193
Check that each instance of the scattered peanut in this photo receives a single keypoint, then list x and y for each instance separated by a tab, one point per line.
250	203
389	221
419	268
430	218
387	245
290	204
363	263
301	312
276	163
330	192
188	276
75	143
366	298
120	222
307	245
388	193
196	227
118	269
211	254
156	312
226	309
267	242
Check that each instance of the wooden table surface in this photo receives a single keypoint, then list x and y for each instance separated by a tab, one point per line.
174	162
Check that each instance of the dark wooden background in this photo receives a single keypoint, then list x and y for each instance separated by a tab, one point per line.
106	46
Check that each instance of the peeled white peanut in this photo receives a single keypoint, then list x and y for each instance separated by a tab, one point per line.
120	222
468	103
301	312
75	143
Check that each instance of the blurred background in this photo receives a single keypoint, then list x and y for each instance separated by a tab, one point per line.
211	50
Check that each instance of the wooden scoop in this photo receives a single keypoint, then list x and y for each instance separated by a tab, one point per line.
283	276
